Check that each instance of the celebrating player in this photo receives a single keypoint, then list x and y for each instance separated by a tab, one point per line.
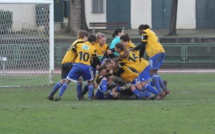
81	67
156	54
67	62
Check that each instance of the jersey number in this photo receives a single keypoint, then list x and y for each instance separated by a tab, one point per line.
133	58
84	56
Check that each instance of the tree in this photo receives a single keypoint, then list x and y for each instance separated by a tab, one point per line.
77	17
173	18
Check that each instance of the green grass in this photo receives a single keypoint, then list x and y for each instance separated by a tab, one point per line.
189	109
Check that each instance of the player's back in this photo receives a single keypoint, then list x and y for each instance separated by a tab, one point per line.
153	47
125	73
70	55
85	52
134	62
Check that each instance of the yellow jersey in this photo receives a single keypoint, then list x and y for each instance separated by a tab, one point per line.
125	73
131	46
101	50
70	55
153	47
85	52
133	62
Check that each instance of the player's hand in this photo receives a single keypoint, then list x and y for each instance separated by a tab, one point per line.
109	52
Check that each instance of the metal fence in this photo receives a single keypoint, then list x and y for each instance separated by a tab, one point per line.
183	53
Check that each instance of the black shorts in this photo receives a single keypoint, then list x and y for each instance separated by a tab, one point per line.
65	69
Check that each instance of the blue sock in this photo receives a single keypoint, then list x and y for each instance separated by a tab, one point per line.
155	80
147	94
90	91
54	89
161	83
103	85
79	90
138	93
151	89
63	88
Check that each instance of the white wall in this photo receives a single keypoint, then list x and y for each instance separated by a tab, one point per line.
22	14
186	17
141	13
94	17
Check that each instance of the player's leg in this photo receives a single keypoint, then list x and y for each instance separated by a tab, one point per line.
144	77
102	88
88	76
64	72
155	63
73	75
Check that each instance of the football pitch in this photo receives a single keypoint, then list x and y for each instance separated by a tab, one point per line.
188	109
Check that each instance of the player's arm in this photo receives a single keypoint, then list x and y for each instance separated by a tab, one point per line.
95	59
142	46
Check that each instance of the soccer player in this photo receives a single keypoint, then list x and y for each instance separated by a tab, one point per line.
128	75
126	41
86	51
101	45
156	54
67	62
141	66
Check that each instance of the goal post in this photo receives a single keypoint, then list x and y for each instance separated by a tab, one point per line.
26	42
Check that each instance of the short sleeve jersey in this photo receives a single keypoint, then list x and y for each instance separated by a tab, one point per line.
153	47
132	46
133	61
101	50
70	55
125	73
85	52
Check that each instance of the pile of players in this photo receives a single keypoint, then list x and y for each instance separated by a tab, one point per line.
123	73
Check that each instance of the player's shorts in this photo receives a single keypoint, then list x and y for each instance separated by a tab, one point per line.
99	94
80	70
145	74
65	69
136	80
156	61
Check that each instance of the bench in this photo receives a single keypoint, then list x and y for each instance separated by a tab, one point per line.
123	25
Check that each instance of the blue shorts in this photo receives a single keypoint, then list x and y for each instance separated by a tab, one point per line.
65	69
80	70
99	94
135	81
144	75
156	60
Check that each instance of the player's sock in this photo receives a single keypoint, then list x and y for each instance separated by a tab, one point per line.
156	82
54	90
79	90
63	88
90	91
138	93
149	88
162	84
85	90
103	85
146	94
